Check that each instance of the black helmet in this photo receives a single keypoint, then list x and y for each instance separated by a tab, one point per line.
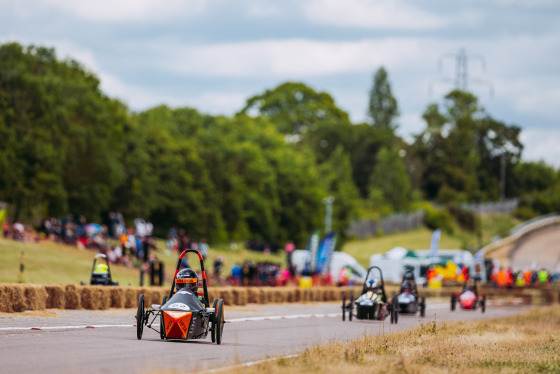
187	280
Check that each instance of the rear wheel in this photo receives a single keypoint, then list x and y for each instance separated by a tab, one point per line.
396	309
161	325
453	302
140	317
220	322
483	303
344	307
213	333
423	307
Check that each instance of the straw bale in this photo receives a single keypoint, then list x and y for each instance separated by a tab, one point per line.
35	297
226	293
56	296
130	298
72	297
239	296
116	295
253	295
12	298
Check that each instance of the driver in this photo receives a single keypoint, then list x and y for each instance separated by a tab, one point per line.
187	280
373	285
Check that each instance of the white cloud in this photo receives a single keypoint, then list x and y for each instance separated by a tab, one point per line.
290	59
541	144
128	10
377	14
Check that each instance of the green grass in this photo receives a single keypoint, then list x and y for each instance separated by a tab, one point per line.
47	262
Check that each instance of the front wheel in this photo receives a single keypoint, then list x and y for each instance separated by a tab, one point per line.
213	333
161	325
423	307
483	303
396	309
351	307
343	307
220	322
140	317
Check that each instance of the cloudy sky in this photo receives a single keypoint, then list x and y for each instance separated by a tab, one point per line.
212	55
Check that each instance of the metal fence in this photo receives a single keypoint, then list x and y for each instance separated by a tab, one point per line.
399	222
506	206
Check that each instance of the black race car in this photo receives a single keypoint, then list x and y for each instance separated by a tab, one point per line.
101	272
185	314
372	304
408	300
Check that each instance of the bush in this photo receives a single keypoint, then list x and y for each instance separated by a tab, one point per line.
465	218
438	219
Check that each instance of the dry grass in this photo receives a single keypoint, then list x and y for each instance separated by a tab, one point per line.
527	343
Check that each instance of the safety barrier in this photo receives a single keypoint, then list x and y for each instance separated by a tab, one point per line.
21	297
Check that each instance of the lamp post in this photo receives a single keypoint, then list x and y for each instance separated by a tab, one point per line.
328	201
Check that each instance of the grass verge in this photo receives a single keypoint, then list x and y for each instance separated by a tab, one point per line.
526	343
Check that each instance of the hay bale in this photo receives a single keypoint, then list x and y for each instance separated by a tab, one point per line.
253	295
227	295
89	298
117	297
72	297
11	298
130	299
239	296
35	297
56	296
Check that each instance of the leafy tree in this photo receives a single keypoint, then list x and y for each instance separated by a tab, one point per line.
383	107
457	151
295	108
389	182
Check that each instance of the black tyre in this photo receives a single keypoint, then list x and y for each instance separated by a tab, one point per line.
220	322
423	307
351	307
140	317
483	303
453	302
213	332
161	325
343	307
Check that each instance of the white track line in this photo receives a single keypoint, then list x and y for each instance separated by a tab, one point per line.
236	320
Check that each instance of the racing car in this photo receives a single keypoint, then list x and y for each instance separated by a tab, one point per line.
185	314
372	304
408	300
101	272
469	297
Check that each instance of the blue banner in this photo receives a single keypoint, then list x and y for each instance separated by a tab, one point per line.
326	247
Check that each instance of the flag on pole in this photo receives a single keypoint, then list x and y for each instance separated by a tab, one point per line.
434	244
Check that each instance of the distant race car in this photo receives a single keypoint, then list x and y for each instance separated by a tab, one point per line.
184	315
372	304
101	272
408	300
469	297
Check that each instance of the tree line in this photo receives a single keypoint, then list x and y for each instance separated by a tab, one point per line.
66	147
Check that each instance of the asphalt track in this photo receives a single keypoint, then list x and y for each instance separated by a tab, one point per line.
64	343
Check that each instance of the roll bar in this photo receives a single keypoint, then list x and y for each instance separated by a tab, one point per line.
204	286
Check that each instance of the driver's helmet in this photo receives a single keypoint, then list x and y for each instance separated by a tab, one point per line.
187	280
406	286
408	276
372	284
101	269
